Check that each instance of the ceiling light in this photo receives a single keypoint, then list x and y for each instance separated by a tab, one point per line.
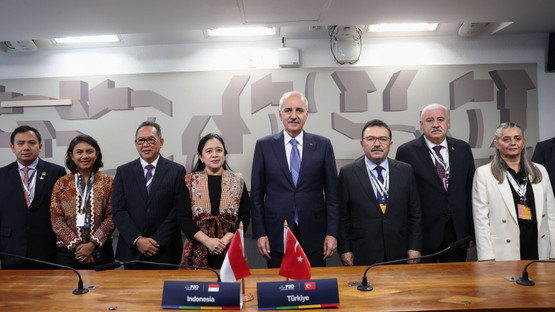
88	39
402	27
242	32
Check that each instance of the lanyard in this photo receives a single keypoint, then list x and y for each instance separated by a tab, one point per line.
519	188
30	184
383	189
81	192
442	162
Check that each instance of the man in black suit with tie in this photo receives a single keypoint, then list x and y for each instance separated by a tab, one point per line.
25	189
147	194
444	169
294	178
544	154
380	209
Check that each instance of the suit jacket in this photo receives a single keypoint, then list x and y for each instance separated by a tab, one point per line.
137	213
275	197
544	154
496	222
27	231
434	199
371	235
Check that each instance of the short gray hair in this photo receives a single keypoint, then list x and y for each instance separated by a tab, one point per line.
287	94
434	107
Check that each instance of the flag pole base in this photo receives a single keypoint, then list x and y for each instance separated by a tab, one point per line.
248	297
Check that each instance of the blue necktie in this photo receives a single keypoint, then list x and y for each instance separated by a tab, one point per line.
295	161
148	177
380	177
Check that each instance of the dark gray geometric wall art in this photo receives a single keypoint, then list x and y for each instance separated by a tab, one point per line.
243	106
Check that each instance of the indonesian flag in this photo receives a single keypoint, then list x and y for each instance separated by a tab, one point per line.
295	264
235	266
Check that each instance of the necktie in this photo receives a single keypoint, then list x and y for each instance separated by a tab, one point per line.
295	164
379	170
148	177
26	189
295	161
441	172
439	166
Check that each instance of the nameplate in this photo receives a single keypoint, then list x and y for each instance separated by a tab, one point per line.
290	295
201	295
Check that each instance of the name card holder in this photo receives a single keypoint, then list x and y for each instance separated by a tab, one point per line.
292	295
201	295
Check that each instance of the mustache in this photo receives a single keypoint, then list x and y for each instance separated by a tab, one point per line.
296	120
377	149
437	129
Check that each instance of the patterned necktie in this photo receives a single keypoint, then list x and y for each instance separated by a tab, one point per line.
439	166
295	161
379	170
26	189
149	168
441	172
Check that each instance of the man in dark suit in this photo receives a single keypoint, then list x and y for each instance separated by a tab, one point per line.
544	154
295	181
147	194
380	209
443	168
25	190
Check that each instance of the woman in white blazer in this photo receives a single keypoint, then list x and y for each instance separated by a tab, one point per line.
513	203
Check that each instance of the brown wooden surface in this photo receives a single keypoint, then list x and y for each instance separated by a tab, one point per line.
422	287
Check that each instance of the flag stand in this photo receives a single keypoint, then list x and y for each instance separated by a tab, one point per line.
247	296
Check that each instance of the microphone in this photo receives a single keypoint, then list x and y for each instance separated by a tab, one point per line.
524	280
365	286
117	264
77	291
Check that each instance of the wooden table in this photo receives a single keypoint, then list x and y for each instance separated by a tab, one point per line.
421	287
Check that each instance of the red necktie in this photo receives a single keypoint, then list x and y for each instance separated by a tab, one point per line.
26	189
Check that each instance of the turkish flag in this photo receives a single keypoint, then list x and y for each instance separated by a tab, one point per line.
235	266
295	264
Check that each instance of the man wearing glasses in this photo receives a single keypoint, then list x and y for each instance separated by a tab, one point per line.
380	208
444	169
147	194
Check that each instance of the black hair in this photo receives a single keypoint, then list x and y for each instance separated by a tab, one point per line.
70	164
151	124
22	129
199	166
376	123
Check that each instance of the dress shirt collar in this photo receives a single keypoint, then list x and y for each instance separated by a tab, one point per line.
431	145
299	138
154	163
372	166
32	166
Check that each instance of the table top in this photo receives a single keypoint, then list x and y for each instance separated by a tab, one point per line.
420	287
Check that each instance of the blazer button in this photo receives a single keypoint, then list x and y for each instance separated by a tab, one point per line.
508	241
504	221
543	235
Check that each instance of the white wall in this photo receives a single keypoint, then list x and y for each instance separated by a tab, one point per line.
314	53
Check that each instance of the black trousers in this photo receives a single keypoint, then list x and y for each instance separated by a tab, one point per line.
453	255
316	258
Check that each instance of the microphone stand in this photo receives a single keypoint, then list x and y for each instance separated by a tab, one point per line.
524	280
77	291
117	264
365	285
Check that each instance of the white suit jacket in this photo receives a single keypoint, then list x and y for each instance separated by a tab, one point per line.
496	222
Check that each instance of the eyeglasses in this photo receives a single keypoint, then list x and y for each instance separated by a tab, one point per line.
149	140
372	139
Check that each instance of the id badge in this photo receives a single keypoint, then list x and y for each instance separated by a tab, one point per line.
445	183
524	212
383	207
80	220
